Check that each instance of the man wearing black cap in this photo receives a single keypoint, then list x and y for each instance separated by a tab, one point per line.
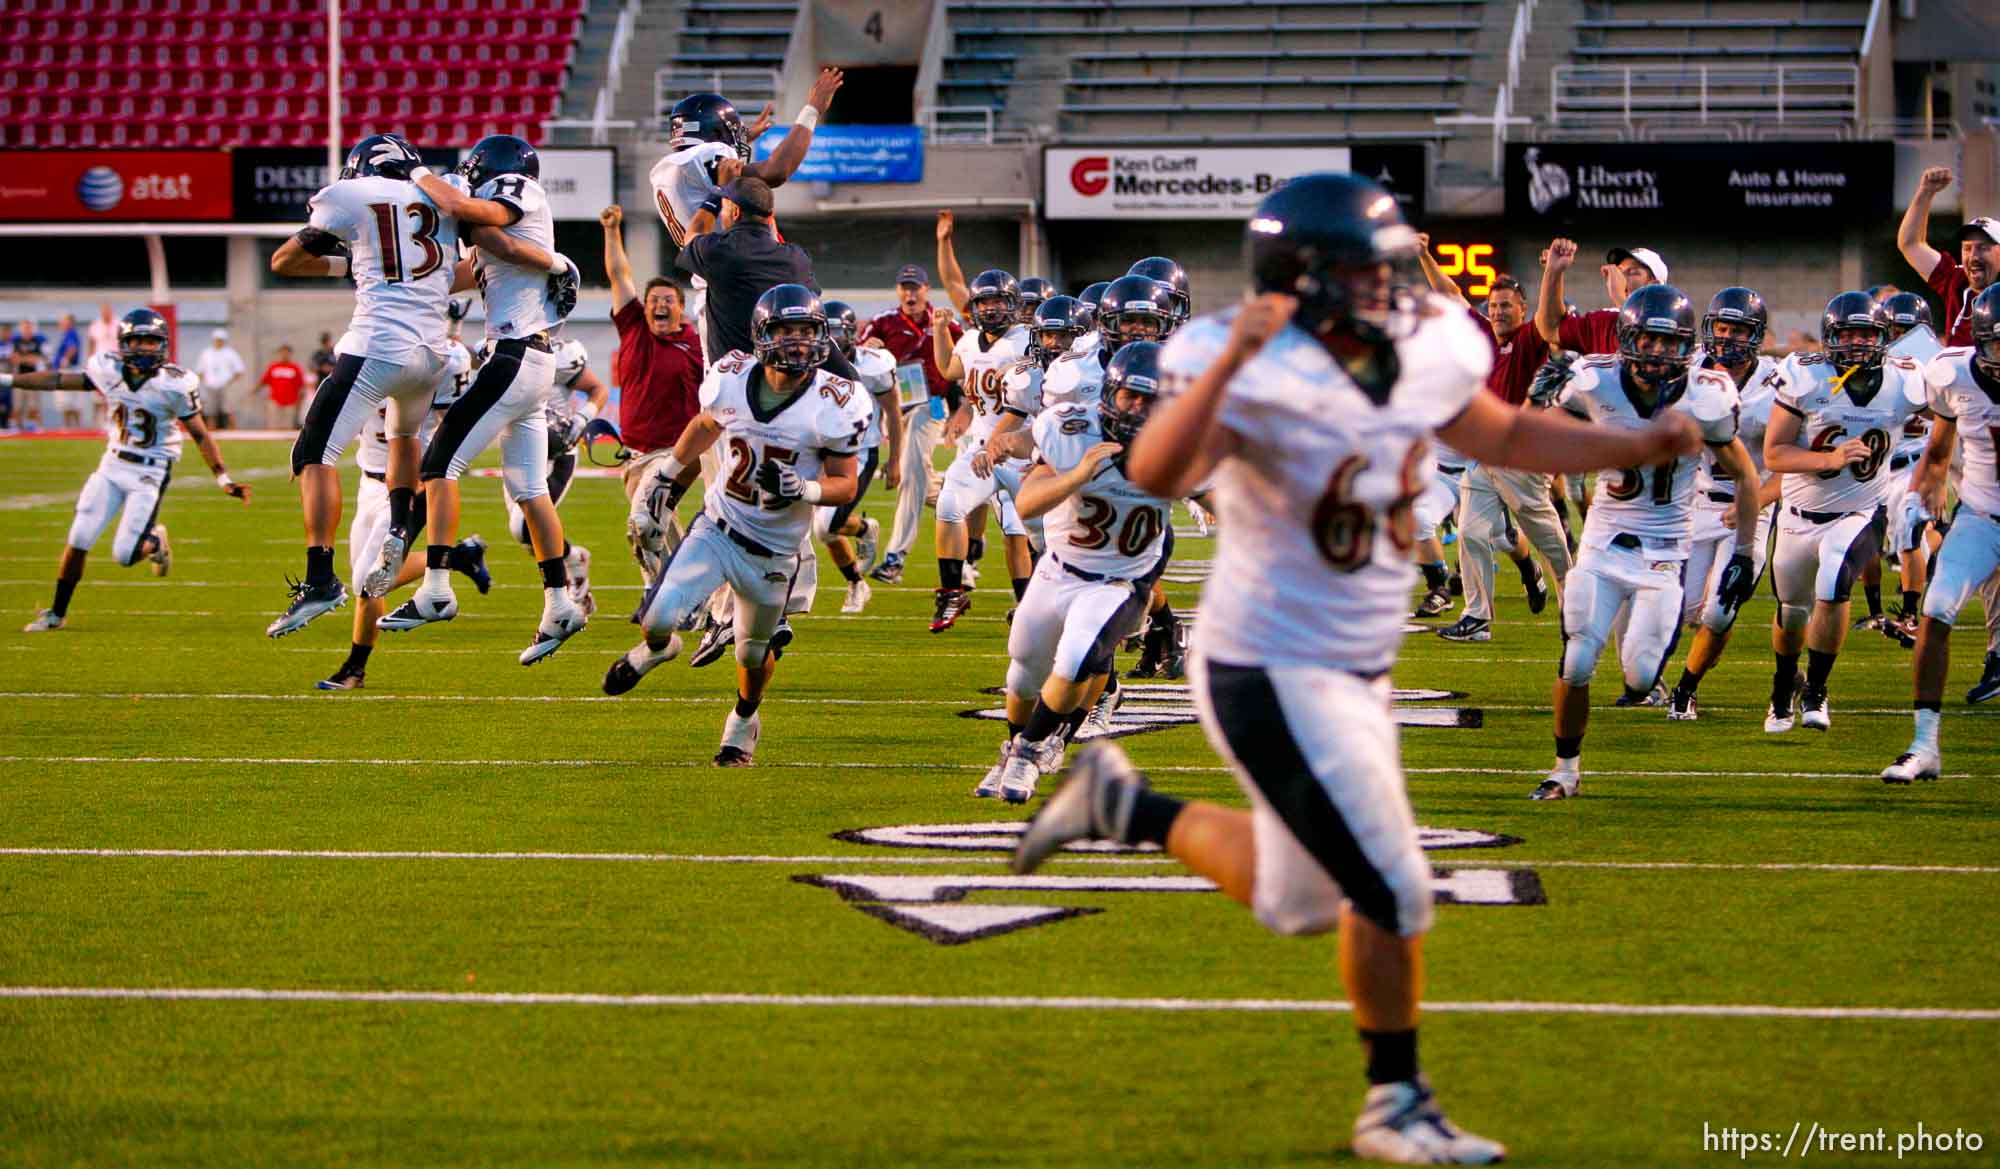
1956	281
741	260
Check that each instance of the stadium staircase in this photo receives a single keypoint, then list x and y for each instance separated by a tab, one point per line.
735	47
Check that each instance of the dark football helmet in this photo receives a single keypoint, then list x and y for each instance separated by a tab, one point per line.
1131	299
1329	240
499	154
1739	306
993	300
843	324
1985	317
1173	276
385	155
1135	369
1034	290
1854	310
1658	310
142	324
1086	303
790	304
1055	317
1906	310
707	117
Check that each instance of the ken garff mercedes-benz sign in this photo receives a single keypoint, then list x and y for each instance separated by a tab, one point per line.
1144	182
1770	184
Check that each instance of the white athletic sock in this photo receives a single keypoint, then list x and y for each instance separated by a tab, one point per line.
437	580
1927	730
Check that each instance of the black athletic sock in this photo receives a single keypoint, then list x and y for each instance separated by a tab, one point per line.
1392	1055
975	549
437	555
1014	728
1932	704
1155	646
402	501
1569	747
850	570
1819	666
1042	722
1874	595
420	515
1073	722
745	707
1782	677
1689	683
553	574
319	564
1153	816
951	573
1111	683
1526	567
458	558
357	658
1911	599
1020	587
1434	575
65	589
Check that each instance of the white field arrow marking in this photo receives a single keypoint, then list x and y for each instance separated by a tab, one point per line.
1003	835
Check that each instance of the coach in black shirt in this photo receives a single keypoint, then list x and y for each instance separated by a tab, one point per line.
742	260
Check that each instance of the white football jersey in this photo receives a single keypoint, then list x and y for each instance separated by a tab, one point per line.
572	359
517	298
826	419
371	450
1315	504
402	252
1076	376
1021	392
146	420
1753	416
985	379
1957	391
1919	345
683	181
877	368
1111	526
1654	504
1810	387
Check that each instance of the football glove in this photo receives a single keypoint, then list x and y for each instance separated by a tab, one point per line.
569	433
780	481
1550	379
394	160
562	289
1739	580
457	307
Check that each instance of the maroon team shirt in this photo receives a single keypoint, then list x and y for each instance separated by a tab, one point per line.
659	381
1948	281
1591	332
1515	360
910	340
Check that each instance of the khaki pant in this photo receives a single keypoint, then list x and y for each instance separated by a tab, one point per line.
1482	528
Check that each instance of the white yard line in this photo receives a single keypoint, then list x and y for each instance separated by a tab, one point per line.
1449	858
315	696
985	1002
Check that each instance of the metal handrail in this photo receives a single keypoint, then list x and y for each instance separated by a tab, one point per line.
748	88
1811	94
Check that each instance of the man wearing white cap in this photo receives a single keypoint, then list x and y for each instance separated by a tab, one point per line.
1626	271
219	367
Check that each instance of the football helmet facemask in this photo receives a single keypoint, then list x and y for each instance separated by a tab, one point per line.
1053	330
1660	311
1135	370
1127	304
795	351
993	300
1740	306
1851	312
142	324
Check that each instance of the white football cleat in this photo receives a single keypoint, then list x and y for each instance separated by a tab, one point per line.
1915	763
423	608
739	740
867	545
562	618
1401	1124
576	567
309	602
989	787
1814	714
858	593
1094	803
382	577
1564	781
1050	758
1099	721
162	555
1018	778
44	622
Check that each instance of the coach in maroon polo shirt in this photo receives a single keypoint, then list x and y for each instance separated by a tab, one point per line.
1958	279
658	367
1626	271
905	332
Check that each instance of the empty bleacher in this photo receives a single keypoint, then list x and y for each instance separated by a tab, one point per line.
1142	69
735	34
206	73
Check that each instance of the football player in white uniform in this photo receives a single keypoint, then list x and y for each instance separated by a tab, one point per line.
148	402
1108	544
371	515
529	289
375	225
708	148
567	419
1830	436
1963	389
1313	406
1732	331
1637	535
852	540
980	361
791	436
1911	336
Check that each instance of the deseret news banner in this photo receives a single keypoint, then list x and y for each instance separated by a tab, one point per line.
273	185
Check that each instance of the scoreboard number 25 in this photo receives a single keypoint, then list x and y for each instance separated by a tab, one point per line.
1468	264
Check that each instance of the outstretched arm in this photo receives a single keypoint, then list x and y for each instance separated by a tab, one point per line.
785	160
1917	219
1184	438
1495	433
44	380
511	248
1434	276
211	453
617	265
948	269
310	252
1549	304
461	206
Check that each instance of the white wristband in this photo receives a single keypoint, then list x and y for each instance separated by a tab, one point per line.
558	263
336	265
588	412
808	117
6	381
420	172
223	480
671	467
809	491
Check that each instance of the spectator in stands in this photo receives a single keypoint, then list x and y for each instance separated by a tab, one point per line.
28	353
742	259
658	366
218	367
283	384
69	355
103	332
1957	281
323	360
906	333
1625	270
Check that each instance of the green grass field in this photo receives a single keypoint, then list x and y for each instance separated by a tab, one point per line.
465	830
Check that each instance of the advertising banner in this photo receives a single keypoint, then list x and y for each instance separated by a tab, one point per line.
114	186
